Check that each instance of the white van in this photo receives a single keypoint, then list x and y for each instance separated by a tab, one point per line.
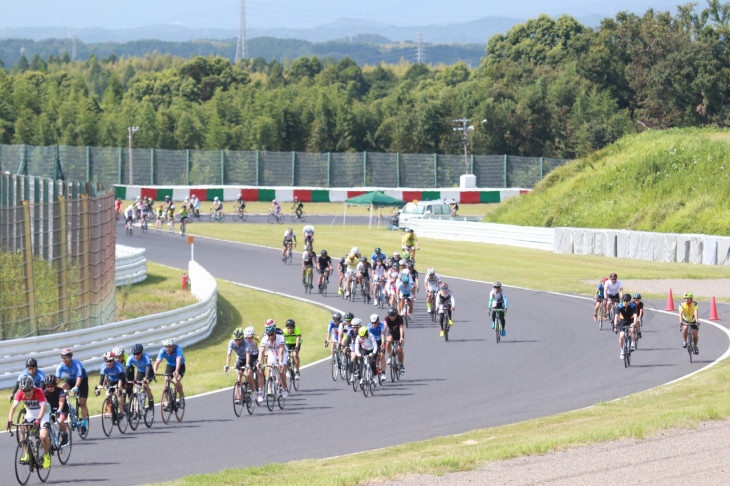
423	209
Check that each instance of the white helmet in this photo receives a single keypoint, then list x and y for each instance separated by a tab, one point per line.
118	350
168	342
215	198
431	271
374	318
356	322
248	332
354	250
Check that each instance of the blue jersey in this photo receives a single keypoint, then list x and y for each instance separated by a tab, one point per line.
600	291
405	289
376	329
171	357
141	364
38	378
113	374
334	328
75	370
375	256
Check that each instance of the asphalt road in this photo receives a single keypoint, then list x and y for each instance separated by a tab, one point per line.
553	359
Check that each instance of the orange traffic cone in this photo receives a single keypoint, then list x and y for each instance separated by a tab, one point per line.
713	311
670	302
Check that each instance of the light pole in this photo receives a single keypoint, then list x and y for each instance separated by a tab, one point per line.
131	133
465	128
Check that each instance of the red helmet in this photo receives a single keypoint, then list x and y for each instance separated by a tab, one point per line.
66	352
109	356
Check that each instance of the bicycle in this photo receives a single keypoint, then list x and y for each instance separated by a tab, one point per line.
367	381
110	414
170	403
273	388
497	324
336	360
353	287
275	217
143	225
365	289
291	373
612	308
691	347
627	346
287	256
74	421
128	228
406	312
324	284
62	451
602	315
346	364
242	394
395	364
308	281
432	297
216	216
240	214
32	448
379	294
301	216
444	319
140	407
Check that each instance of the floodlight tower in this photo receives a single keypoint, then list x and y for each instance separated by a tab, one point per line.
241	52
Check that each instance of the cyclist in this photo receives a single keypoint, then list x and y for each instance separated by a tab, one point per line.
639	314
367	347
377	254
308	232
688	317
377	329
454	209
171	217
350	339
254	341
362	273
112	373
626	318
405	294
378	278
146	208
160	216
431	284
36	408
128	216
614	289
396	258
289	235
445	304
293	340
175	359
121	356
74	377
308	262
395	331
341	270
410	269
324	266
217	207
118	207
298	207
344	330
184	218
277	355
351	263
410	243
392	282
240	204
277	208
31	369
195	205
599	298
142	362
56	398
497	301
333	332
242	348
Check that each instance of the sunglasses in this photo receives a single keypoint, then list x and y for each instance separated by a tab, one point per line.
50	385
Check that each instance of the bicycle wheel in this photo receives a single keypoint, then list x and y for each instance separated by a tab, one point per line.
271	392
148	412
64	451
243	216
366	385
627	353
180	410
690	344
107	416
394	366
343	366
433	314
22	471
303	218
38	452
250	400
446	330
294	381
600	318
133	412
355	376
166	406
221	217
19	420
83	433
238	399
122	420
271	219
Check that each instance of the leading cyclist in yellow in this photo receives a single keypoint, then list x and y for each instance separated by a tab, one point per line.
410	243
688	314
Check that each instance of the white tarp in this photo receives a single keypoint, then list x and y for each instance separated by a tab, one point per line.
696	249
723	251
622	244
709	250
562	240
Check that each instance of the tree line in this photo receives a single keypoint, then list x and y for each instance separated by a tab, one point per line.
548	87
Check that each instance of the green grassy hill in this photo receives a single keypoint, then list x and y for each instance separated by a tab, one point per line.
666	181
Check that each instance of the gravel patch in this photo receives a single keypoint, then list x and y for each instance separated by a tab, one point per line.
672	457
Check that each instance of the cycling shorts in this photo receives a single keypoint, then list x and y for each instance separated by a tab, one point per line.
693	325
45	422
614	298
393	333
407	296
83	388
170	369
292	347
141	375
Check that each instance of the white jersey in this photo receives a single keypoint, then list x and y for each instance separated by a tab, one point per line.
308	230
378	272
288	235
367	343
612	288
272	349
432	283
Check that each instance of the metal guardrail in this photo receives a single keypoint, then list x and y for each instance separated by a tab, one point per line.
498	234
188	325
130	265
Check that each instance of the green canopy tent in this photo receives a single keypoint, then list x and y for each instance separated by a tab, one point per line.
374	199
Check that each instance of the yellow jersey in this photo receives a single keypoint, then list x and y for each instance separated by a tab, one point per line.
688	311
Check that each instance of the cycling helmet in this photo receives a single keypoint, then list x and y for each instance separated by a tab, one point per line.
379	260
323	252
291	230
405	279
336	316
66	352
396	254
395	265
290	323
392	311
374	318
498	285
169	342
161	206
270	330
109	356
430	271
249	332
273	202
237	333
31	363
637	296
363	259
409	263
308	248
349	316
363	331
689	295
26	383
296	198
167	197
409	230
350	256
356	322
137	349
118	351
604	279
626	298
215	198
613	275
50	380
354	250
377	249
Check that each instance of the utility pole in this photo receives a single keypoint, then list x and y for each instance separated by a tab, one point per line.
465	128
241	52
132	130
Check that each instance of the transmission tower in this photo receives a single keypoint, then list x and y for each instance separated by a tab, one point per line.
73	47
241	52
420	50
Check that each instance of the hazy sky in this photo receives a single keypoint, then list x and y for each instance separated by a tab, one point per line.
295	13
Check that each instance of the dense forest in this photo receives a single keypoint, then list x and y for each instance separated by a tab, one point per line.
548	87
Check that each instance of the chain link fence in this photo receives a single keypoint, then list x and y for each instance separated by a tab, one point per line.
111	166
56	256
